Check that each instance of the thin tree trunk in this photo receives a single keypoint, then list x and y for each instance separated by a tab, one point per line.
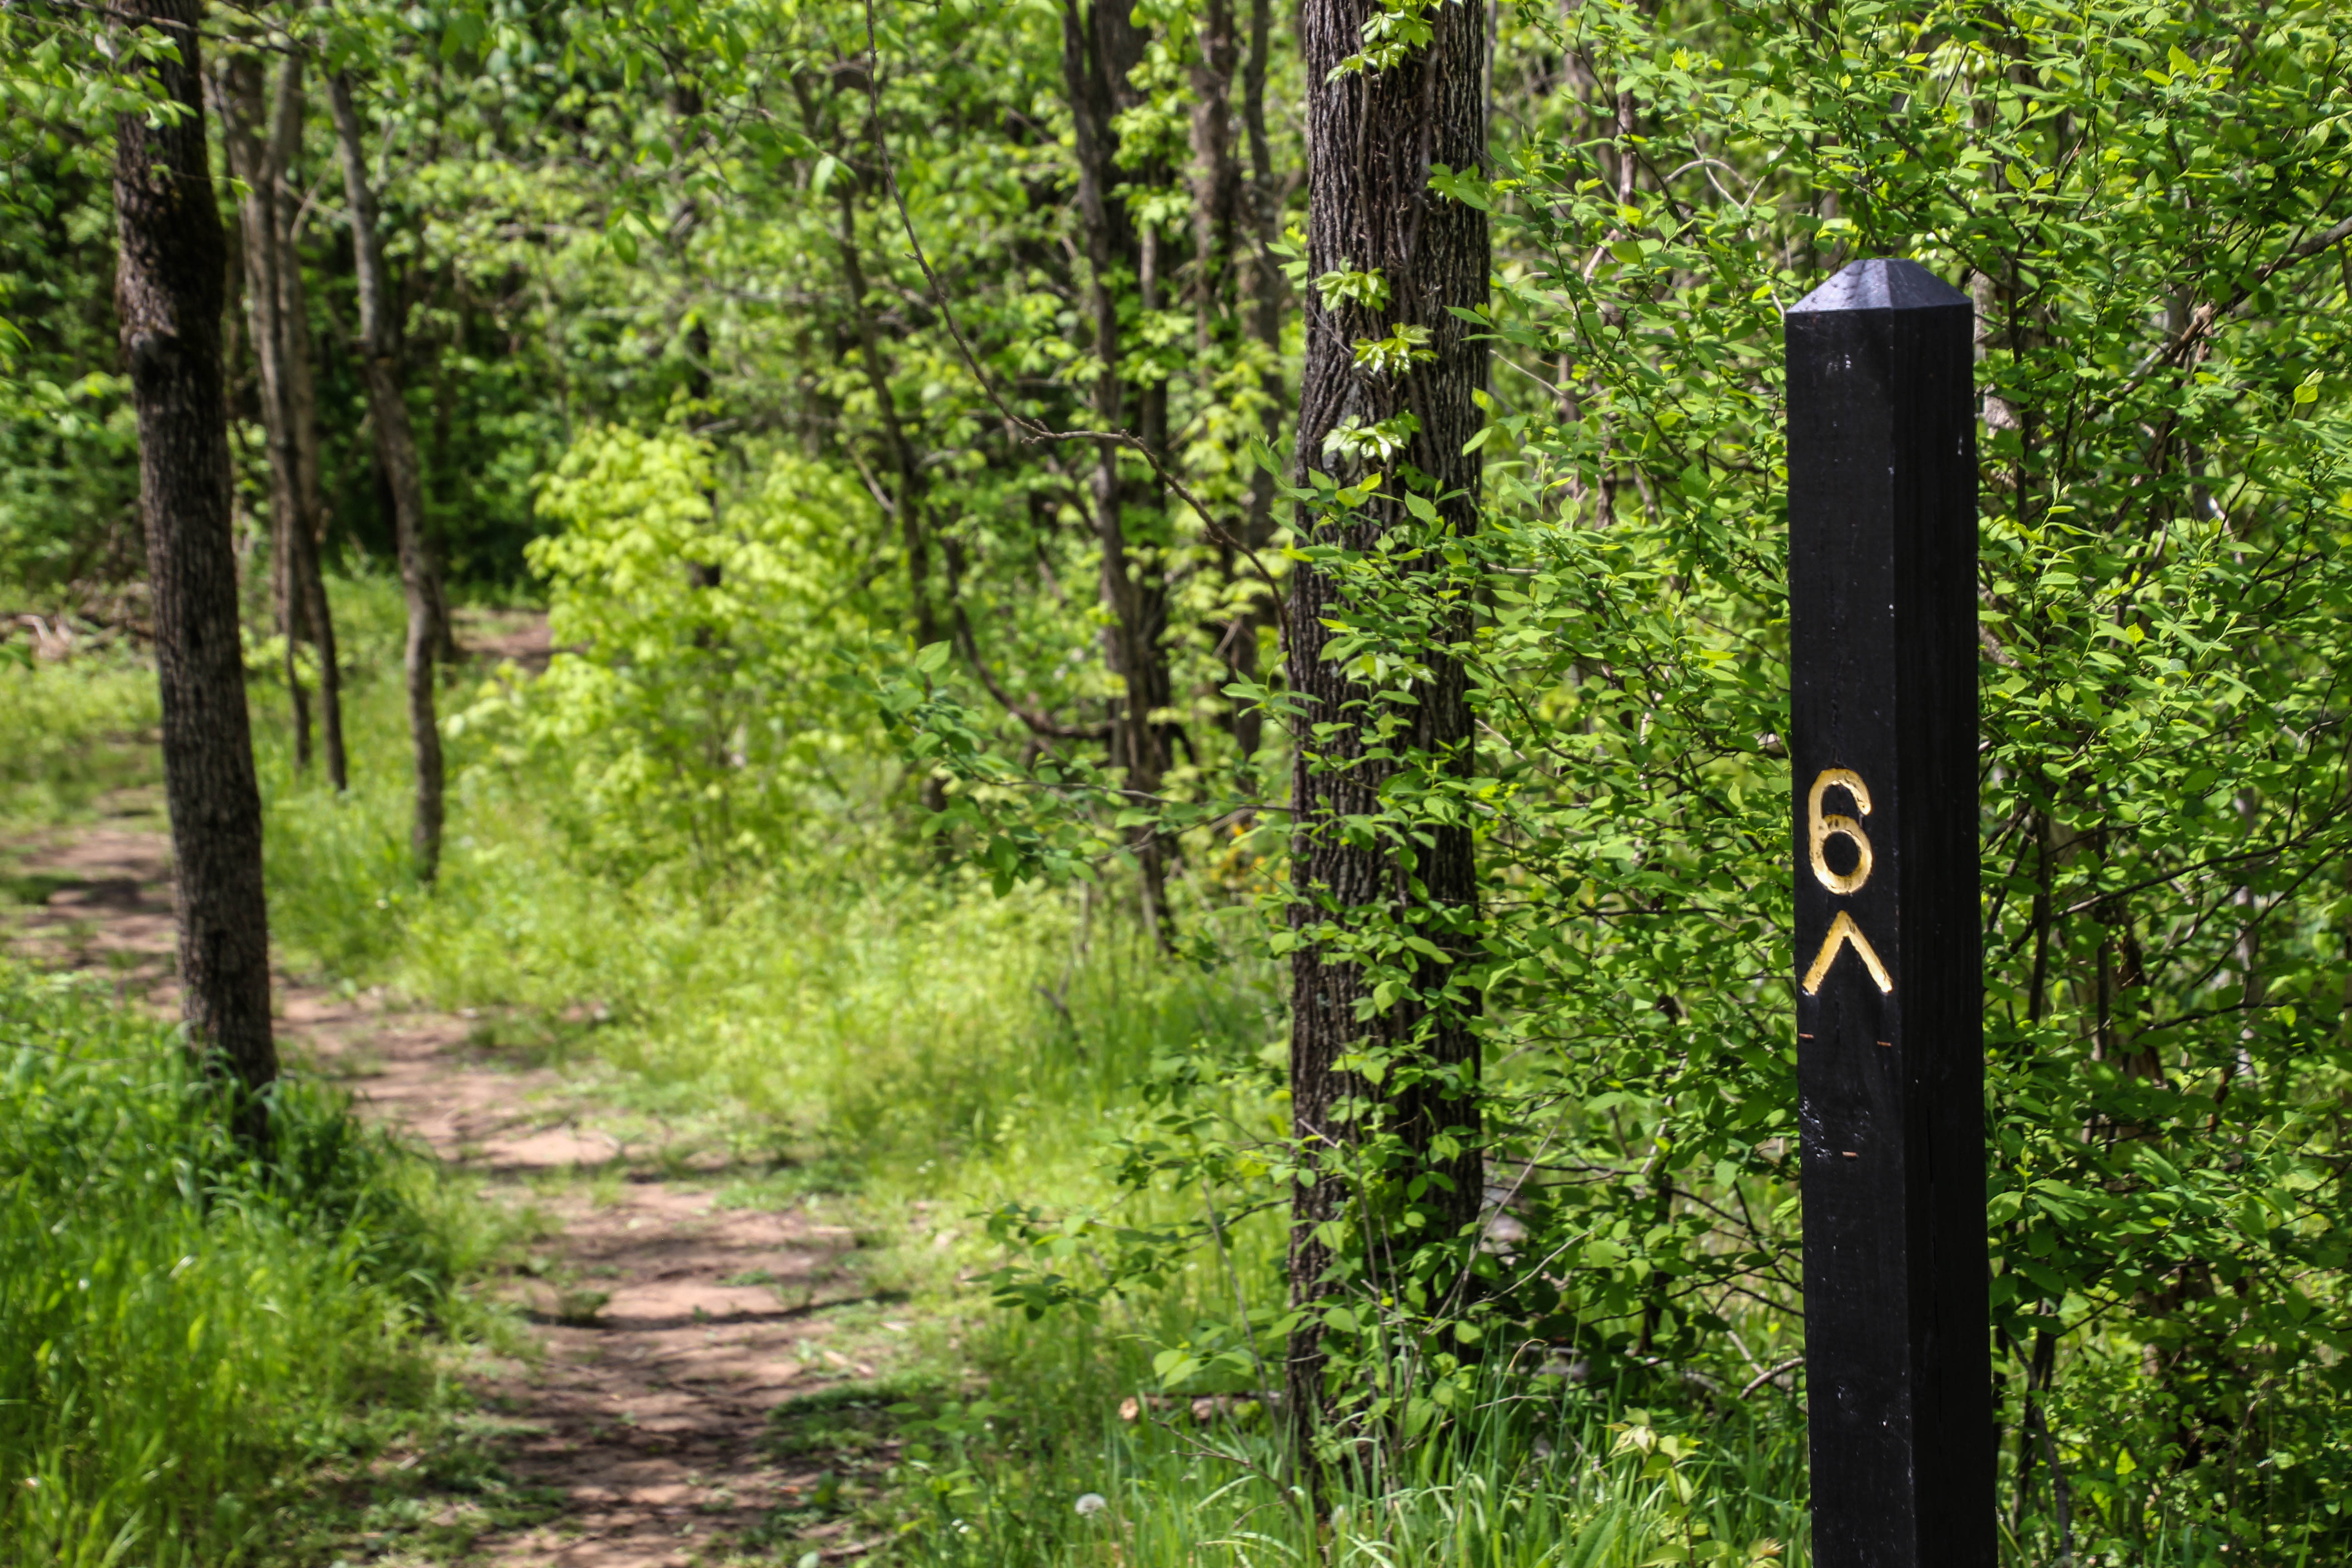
1372	139
2030	1425
1100	45
699	574
301	403
448	489
396	449
170	265
441	635
1266	289
1216	177
908	494
254	163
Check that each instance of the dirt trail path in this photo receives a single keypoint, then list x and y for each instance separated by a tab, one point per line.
670	1326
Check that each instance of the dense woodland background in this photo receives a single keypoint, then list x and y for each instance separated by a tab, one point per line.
914	772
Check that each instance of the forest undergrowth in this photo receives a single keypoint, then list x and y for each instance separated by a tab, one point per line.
867	1028
874	1032
1219	788
888	1033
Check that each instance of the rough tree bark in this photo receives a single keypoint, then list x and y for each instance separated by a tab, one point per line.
1372	139
395	442
1101	46
446	490
168	293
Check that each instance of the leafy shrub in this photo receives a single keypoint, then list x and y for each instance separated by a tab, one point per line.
692	701
2147	205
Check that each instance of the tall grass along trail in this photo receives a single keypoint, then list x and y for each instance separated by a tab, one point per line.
666	1327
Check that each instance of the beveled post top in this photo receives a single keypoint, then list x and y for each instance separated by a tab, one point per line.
1879	285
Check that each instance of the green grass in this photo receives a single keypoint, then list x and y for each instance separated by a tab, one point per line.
1213	1498
199	1353
1545	1474
896	1026
74	731
187	1334
871	1028
872	1035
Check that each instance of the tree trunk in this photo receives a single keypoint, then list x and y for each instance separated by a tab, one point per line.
301	408
1371	141
1216	178
168	283
1101	46
448	489
1265	289
441	635
396	444
253	162
910	493
274	304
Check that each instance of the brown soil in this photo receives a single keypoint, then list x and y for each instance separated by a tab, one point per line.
500	637
669	1327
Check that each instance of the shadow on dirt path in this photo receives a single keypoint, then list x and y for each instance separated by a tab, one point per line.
670	1327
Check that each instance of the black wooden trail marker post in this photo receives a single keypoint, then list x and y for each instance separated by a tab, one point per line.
1890	1038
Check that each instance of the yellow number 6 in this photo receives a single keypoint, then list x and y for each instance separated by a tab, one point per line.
1822	829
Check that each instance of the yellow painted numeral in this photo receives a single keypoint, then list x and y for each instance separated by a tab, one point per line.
1822	829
